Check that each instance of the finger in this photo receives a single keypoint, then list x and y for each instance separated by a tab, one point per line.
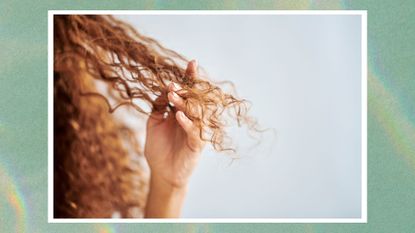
177	101
191	130
191	70
154	119
174	87
157	115
185	123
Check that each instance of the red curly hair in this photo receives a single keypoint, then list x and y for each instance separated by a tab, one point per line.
97	169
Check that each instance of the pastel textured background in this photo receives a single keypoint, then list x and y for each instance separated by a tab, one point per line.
23	116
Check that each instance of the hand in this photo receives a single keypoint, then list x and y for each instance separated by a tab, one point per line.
173	145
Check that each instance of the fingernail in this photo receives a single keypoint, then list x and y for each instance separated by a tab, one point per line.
176	86
194	63
183	116
175	96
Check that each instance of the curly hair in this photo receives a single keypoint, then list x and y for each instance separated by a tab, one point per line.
96	157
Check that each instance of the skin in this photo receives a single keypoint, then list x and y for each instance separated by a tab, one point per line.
172	151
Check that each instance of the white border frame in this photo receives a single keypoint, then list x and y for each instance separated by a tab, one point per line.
362	219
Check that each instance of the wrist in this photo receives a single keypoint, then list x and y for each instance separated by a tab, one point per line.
167	185
165	199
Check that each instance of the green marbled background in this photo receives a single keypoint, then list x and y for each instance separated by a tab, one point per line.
391	115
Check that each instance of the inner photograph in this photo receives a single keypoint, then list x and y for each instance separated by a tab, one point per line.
244	116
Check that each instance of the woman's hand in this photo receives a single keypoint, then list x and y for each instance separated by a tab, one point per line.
172	149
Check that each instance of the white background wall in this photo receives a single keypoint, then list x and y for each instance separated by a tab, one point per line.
302	75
